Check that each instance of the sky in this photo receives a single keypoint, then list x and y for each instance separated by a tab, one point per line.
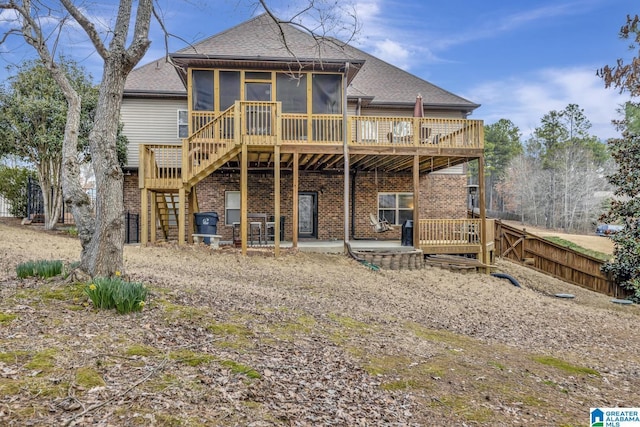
518	59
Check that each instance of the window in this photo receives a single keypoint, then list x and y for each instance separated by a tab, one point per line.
396	208
327	94
202	90
231	207
292	92
183	124
229	88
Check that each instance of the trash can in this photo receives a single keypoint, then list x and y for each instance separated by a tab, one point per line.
407	233
271	229
206	223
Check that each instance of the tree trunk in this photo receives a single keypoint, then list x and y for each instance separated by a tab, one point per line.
75	198
104	252
49	179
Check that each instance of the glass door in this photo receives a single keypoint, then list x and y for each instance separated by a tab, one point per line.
308	215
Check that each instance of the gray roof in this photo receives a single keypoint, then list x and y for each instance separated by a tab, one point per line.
259	41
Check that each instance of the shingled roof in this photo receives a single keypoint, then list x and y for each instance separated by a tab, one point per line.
259	42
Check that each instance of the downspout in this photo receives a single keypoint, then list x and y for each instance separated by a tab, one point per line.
345	129
353	205
353	183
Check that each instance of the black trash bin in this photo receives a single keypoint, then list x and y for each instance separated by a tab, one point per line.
271	228
407	233
206	223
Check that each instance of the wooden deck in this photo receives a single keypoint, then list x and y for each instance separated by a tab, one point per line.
318	140
258	135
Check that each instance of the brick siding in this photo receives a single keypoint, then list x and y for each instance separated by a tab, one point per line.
441	196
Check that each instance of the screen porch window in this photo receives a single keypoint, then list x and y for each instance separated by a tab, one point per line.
202	90
292	92
327	94
183	124
229	85
396	208
231	207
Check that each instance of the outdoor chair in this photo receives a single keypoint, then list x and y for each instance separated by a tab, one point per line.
379	225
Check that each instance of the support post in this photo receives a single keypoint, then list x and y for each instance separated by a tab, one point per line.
416	201
144	216
244	177
193	208
483	214
276	201
182	207
153	221
295	199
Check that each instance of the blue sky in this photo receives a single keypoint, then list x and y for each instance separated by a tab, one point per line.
520	60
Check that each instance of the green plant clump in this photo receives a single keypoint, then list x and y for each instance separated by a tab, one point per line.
114	292
43	269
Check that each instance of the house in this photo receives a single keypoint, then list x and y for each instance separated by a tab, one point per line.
315	133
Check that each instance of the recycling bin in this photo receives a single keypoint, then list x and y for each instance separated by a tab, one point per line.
206	223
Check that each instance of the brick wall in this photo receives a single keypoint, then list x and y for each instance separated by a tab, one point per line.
441	196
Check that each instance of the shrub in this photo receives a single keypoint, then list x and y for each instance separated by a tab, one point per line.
43	269
125	297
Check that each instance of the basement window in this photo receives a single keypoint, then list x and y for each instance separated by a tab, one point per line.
396	208
231	207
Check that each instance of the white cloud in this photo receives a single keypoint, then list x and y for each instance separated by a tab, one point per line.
524	100
392	52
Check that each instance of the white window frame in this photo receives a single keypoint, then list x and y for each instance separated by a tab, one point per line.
183	123
230	204
396	208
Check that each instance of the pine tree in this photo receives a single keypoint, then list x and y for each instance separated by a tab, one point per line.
625	208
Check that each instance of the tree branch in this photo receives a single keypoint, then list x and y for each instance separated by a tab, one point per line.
88	27
141	42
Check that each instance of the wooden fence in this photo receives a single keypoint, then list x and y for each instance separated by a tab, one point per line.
558	261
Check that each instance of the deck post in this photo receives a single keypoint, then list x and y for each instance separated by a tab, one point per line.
244	188
483	215
295	199
193	208
416	201
276	201
144	216
153	219
182	207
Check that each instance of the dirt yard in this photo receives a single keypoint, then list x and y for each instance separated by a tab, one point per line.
305	340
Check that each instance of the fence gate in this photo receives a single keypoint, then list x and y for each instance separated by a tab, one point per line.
35	202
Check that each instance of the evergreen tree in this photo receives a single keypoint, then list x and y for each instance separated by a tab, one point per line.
625	208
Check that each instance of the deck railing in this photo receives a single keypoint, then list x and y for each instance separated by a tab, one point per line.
416	131
262	123
209	142
450	232
160	166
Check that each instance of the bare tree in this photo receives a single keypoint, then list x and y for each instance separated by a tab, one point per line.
102	235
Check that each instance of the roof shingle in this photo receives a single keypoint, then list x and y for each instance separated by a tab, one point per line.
260	37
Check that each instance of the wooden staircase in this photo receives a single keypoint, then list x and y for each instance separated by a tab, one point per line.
166	211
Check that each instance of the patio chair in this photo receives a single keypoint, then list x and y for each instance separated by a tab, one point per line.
379	225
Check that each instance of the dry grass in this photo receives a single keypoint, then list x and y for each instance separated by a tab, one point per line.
306	339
